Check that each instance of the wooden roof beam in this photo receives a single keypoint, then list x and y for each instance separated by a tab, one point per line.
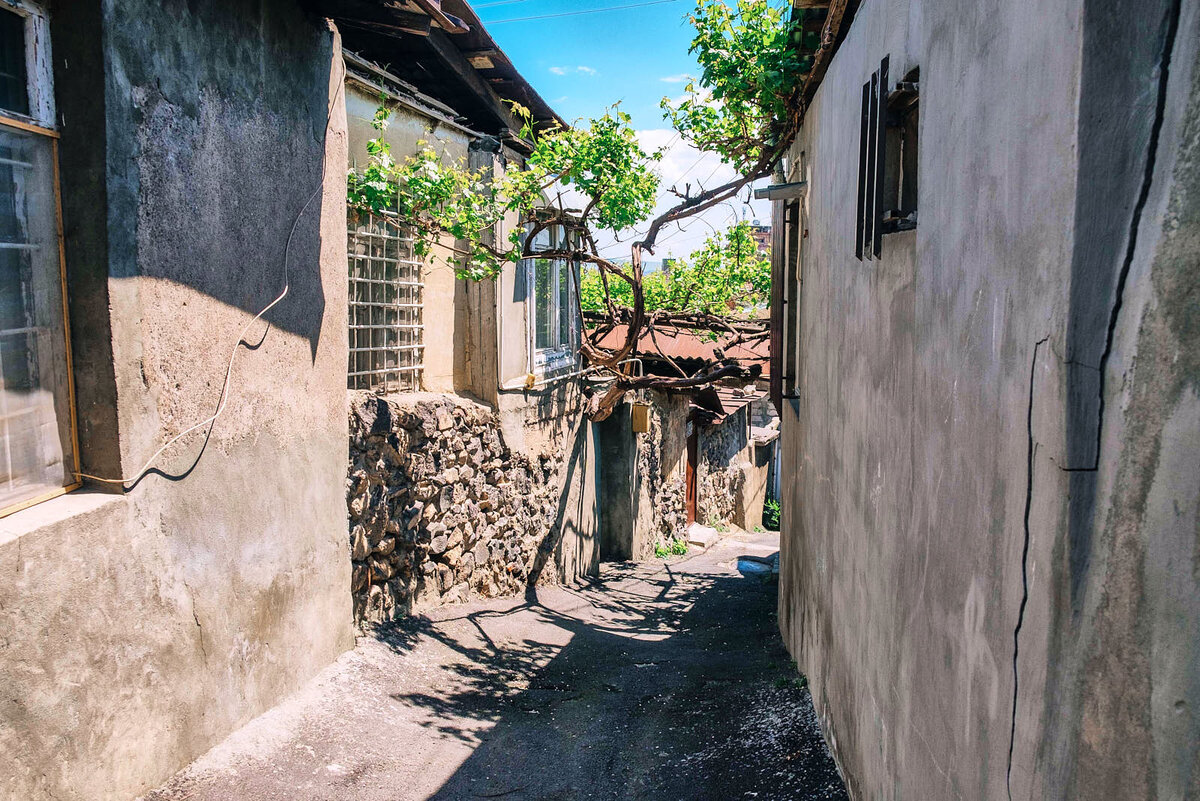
447	22
461	68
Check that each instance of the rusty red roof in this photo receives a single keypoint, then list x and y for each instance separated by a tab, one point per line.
732	399
688	344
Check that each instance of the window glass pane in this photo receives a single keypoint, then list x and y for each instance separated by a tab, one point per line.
543	300
564	303
34	404
14	88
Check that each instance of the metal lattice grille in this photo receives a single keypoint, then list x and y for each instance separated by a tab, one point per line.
386	293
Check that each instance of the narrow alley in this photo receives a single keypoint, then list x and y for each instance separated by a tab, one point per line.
664	679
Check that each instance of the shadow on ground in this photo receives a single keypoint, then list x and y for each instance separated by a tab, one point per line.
657	681
674	685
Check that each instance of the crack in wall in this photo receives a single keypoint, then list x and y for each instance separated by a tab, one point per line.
1170	33
1031	453
1164	74
196	618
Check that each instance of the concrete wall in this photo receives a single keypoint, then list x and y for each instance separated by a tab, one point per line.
990	497
617	446
140	629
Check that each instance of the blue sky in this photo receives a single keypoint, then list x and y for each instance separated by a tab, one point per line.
625	54
585	62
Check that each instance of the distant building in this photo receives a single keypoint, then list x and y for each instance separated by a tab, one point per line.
762	236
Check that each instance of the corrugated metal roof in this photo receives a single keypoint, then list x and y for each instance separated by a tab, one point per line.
687	344
731	399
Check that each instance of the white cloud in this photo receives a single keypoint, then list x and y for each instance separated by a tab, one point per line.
584	70
682	77
681	165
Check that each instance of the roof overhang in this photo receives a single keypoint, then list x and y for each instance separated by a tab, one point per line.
442	50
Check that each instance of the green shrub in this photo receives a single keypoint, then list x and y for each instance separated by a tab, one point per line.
673	547
771	515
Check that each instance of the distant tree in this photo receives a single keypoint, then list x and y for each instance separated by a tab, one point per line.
728	276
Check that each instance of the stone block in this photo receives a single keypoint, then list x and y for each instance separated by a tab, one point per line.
359	547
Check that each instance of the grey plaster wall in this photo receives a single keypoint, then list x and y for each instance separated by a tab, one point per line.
140	630
990	496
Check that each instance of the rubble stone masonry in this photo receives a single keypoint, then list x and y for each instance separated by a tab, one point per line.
441	510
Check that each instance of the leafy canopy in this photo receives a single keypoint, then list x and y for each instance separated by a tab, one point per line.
727	275
748	70
438	197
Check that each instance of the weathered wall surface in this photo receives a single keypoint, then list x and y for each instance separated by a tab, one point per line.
540	438
140	630
725	461
618	451
442	510
661	472
730	485
990	500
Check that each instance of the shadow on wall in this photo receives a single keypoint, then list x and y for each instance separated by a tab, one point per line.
552	542
225	187
655	695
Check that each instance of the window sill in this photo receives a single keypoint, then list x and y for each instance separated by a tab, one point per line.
53	512
549	366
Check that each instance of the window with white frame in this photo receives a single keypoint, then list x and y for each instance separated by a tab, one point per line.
37	438
553	314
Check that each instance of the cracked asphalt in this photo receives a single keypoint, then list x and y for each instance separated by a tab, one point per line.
662	680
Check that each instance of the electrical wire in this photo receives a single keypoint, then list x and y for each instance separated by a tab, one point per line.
478	6
577	13
224	398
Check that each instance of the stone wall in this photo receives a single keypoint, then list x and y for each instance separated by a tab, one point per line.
661	466
722	470
441	509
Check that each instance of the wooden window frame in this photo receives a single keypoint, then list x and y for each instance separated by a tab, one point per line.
40	122
786	234
887	195
21	125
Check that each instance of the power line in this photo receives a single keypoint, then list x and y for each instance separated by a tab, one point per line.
576	13
498	3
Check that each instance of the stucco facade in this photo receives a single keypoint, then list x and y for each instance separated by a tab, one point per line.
139	629
989	496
